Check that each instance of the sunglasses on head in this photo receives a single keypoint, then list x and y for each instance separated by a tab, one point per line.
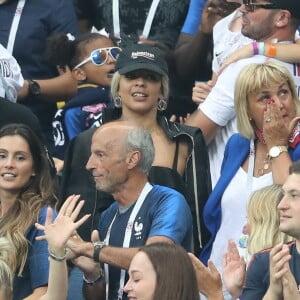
145	74
250	6
99	56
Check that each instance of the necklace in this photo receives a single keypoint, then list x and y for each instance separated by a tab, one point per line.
265	166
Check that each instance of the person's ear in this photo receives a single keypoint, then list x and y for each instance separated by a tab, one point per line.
283	18
79	74
133	158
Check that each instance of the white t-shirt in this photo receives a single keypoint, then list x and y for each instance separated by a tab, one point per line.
234	214
225	43
11	73
225	40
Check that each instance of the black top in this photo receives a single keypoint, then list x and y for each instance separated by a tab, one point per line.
11	112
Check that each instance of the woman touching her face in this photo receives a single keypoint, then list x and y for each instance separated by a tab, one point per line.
267	110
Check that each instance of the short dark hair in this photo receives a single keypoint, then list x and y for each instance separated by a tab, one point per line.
295	168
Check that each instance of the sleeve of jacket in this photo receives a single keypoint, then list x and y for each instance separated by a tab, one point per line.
199	183
236	150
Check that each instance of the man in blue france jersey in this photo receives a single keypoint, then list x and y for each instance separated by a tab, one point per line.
121	156
275	273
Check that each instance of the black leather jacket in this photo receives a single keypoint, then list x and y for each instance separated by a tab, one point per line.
196	176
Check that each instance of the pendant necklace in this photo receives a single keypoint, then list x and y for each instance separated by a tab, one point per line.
265	166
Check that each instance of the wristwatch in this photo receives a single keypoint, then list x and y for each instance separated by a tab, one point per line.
97	248
276	150
34	88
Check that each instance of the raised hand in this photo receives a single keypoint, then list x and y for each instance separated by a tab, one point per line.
275	129
208	279
234	270
279	257
58	232
289	285
201	91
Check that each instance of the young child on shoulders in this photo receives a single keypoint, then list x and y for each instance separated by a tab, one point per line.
91	57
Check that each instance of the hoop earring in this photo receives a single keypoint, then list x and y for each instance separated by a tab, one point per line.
118	102
162	104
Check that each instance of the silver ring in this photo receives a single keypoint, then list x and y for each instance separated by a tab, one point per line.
268	120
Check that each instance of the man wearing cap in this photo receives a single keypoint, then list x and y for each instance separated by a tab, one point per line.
121	156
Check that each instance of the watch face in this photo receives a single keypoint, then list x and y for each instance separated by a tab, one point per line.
34	88
274	151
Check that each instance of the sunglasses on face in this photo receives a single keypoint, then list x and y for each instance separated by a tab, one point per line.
147	75
250	6
99	56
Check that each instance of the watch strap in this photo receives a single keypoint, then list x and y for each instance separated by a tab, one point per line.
283	148
97	248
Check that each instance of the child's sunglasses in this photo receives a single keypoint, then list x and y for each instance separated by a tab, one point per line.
99	56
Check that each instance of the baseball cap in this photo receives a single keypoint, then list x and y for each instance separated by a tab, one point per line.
293	6
141	56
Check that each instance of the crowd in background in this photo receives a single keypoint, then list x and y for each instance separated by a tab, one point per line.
149	149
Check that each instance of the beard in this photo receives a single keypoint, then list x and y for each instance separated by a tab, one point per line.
258	31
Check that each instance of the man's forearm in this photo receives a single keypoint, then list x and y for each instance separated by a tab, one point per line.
60	88
192	49
120	257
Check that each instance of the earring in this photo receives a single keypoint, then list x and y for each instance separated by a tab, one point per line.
162	104
118	102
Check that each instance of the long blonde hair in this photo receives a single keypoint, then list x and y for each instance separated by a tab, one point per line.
263	218
36	194
7	263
